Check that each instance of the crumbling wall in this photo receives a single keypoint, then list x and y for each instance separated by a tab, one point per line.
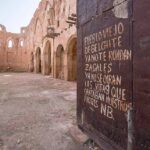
51	22
13	51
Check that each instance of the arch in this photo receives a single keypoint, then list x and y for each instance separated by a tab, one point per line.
38	66
31	62
47	58
21	42
72	58
10	43
60	62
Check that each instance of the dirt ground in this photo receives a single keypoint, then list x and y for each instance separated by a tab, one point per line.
36	112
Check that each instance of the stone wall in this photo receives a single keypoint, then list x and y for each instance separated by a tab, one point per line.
13	53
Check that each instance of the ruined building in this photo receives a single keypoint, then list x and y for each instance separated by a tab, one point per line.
47	45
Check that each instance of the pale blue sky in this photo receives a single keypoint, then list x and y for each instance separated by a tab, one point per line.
17	13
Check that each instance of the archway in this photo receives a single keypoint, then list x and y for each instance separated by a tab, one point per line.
60	62
31	62
47	58
72	59
38	60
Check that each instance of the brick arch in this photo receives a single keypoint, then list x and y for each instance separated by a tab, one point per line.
47	56
31	68
10	42
60	62
72	58
38	66
21	42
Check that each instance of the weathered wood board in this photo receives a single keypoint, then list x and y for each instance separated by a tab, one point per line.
113	50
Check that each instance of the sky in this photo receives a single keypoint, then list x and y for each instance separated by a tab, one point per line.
17	13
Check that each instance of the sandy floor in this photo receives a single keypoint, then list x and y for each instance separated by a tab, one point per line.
36	112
